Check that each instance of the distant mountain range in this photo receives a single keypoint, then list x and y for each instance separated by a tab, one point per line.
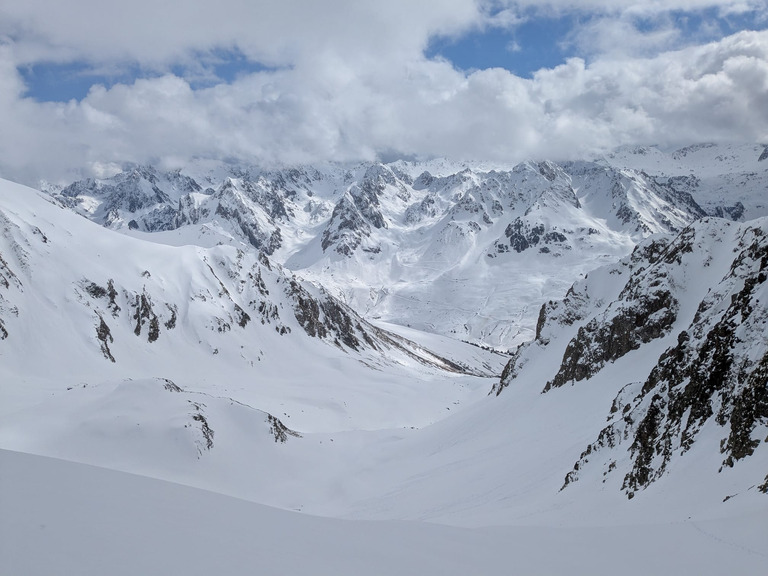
466	250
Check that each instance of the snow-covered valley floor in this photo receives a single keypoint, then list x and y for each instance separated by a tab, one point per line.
65	518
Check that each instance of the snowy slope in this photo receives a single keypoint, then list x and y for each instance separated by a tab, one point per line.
73	519
728	180
388	429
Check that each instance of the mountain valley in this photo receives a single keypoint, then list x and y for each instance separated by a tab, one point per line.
484	359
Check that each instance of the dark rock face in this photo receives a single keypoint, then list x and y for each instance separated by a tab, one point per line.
676	190
241	316
427	208
159	219
207	432
144	315
423	180
346	228
170	385
548	170
552	315
511	370
258	238
269	195
717	372
645	310
735	212
279	430
366	195
356	214
104	335
563	312
521	236
187	212
325	318
601	341
749	409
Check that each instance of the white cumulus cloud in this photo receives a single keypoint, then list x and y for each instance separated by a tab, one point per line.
350	80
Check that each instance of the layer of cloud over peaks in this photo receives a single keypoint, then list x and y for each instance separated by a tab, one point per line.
348	80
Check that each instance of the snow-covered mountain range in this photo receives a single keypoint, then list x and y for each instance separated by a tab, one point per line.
293	338
113	306
462	249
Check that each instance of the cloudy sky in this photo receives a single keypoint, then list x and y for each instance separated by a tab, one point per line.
86	85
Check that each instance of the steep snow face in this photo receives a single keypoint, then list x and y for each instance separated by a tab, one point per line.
727	180
357	213
632	200
678	329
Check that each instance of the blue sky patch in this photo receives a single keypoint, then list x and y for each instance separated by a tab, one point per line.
57	82
544	42
535	44
538	42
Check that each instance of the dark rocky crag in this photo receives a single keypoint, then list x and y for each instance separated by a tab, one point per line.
716	374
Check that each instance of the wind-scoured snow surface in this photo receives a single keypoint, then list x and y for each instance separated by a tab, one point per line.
243	395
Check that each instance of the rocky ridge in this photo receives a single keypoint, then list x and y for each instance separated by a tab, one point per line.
711	371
